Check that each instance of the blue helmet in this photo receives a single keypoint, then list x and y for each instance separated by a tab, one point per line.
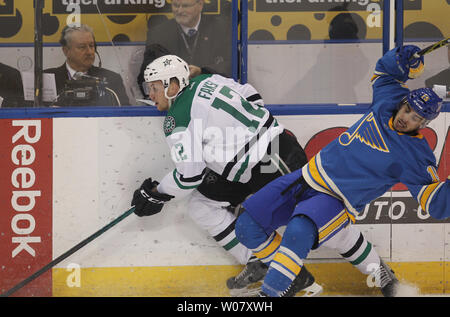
425	102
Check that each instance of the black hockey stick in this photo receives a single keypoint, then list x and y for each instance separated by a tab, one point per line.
431	48
67	253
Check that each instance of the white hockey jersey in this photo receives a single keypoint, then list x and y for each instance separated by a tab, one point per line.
215	123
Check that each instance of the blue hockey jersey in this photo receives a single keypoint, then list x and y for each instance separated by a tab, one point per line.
370	157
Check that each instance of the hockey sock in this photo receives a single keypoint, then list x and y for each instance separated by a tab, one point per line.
252	258
227	239
267	250
354	247
363	256
213	217
298	239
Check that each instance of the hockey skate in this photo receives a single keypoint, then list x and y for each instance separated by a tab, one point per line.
386	280
303	285
248	282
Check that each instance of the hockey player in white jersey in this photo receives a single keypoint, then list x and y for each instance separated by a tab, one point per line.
225	146
219	134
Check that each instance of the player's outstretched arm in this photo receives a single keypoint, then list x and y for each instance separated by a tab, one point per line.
391	72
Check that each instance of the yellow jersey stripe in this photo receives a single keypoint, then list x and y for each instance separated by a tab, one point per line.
287	262
351	216
269	248
320	183
315	174
432	171
426	194
330	227
376	75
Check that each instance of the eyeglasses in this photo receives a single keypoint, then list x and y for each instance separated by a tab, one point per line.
184	5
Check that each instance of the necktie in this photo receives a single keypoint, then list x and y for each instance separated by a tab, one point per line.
192	32
191	39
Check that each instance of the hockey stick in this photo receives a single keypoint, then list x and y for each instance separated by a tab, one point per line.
67	253
431	48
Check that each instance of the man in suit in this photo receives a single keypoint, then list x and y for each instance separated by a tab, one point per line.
203	41
11	89
79	47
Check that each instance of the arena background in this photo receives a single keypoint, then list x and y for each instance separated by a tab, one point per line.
89	161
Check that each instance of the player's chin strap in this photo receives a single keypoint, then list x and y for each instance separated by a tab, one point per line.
170	99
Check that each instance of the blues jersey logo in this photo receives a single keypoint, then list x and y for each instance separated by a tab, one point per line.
368	133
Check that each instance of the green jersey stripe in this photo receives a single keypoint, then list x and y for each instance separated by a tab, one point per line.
241	170
364	255
180	185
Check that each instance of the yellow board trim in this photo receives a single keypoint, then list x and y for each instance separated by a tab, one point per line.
210	281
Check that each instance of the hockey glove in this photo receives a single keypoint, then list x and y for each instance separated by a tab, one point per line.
414	67
148	202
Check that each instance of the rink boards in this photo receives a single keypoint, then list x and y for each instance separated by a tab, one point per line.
67	174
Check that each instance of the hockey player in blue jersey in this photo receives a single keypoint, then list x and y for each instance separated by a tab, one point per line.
320	201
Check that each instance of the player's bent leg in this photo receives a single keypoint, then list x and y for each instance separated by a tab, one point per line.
315	219
356	249
287	274
253	236
265	211
212	216
263	246
351	244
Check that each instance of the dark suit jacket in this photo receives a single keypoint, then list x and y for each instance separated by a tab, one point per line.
212	50
11	89
114	82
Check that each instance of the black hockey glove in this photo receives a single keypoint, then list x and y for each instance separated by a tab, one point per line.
148	202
